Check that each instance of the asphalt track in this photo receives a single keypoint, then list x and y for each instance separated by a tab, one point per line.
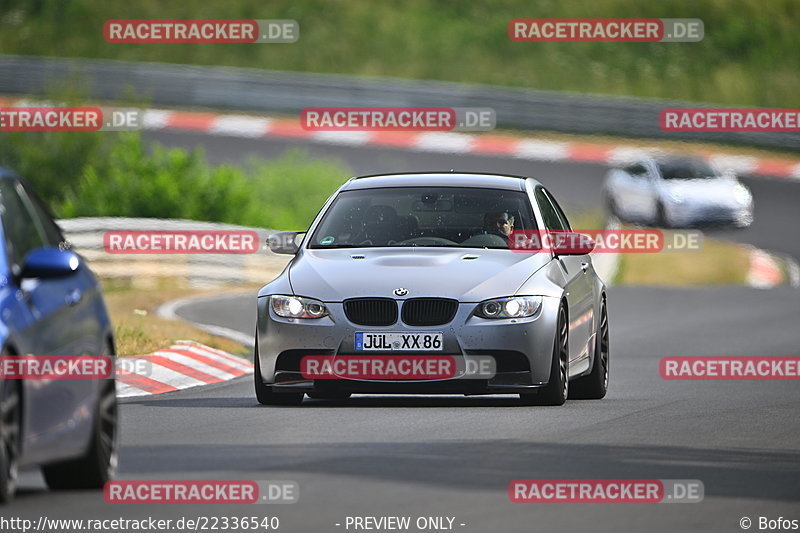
454	456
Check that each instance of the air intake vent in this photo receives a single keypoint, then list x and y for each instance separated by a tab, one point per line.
429	311
371	311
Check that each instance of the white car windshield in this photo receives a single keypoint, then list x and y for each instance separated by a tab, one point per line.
687	169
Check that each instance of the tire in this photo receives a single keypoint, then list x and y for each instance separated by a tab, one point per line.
264	393
99	465
661	216
557	388
611	207
10	437
595	385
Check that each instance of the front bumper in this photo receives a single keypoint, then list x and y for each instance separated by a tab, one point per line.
686	215
522	350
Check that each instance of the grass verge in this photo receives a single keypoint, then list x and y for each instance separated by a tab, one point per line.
139	330
718	263
747	57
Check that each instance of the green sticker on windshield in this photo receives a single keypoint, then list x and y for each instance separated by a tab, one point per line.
326	240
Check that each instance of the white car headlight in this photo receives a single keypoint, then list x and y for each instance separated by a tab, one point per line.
297	307
742	195
676	196
513	307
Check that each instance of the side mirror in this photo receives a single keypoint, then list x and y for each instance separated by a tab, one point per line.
285	242
48	263
572	243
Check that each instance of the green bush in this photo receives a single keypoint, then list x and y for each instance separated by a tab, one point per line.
80	174
134	181
52	162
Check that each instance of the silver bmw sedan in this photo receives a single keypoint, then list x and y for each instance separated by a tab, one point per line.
404	270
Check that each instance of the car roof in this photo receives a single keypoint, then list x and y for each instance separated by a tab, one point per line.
667	158
439	179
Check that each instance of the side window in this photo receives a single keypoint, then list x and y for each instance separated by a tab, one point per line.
551	217
47	225
637	170
21	231
561	215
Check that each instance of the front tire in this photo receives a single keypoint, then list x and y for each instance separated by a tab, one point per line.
662	220
595	385
264	393
557	388
611	208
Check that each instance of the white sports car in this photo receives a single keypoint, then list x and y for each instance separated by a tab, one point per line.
677	192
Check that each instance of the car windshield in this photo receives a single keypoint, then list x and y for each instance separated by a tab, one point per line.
423	216
687	169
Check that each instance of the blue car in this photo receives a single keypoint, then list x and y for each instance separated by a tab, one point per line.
51	304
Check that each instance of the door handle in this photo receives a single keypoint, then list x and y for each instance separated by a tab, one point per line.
584	266
74	297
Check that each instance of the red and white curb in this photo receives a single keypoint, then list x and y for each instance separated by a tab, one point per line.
448	142
183	365
765	270
529	148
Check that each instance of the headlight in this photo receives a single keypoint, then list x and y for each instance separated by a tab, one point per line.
676	196
742	195
296	307
514	307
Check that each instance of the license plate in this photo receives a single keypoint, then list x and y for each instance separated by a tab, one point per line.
399	342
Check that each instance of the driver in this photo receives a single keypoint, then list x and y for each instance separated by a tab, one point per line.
500	224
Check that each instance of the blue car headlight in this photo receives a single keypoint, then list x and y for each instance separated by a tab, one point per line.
297	307
512	307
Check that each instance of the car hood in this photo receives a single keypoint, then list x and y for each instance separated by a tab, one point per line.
711	191
468	275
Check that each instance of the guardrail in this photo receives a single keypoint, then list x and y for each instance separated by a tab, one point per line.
192	270
289	92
